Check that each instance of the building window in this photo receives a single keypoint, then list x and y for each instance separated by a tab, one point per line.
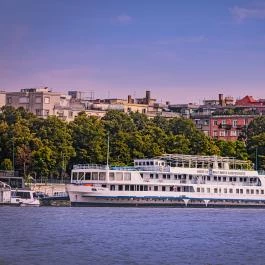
47	100
233	133
223	122
70	114
38	112
23	100
38	100
215	133
215	122
222	133
234	123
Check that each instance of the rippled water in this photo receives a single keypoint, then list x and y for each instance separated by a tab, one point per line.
131	236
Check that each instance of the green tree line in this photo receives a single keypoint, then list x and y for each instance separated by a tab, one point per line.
48	148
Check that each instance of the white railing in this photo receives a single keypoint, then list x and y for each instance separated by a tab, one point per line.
89	166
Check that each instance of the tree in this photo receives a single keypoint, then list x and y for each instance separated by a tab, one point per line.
6	164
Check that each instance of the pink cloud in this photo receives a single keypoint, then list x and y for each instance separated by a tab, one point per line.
241	13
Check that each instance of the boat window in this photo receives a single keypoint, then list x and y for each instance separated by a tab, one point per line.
112	187
127	176
131	187
103	185
136	163
208	190
190	177
230	179
145	188
111	176
156	163
208	178
74	176
198	190
171	188
156	176
137	188
88	176
237	190
102	175
257	191
81	175
140	163
141	187
225	190
144	163
168	176
151	163
163	188
202	189
234	179
155	188
215	178
230	190
164	176
247	191
118	176
23	195
224	179
215	190
252	191
178	189
262	191
94	175
176	176
147	163
220	190
151	176
241	191
120	187
240	179
127	187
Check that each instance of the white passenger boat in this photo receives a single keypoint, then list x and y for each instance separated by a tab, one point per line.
13	191
171	180
24	197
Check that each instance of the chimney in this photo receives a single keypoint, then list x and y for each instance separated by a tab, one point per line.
129	99
221	99
148	97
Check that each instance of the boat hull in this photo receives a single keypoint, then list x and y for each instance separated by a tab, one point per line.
168	203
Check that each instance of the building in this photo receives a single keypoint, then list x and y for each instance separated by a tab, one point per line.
39	101
2	98
221	101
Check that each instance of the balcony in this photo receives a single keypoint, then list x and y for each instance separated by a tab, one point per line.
225	126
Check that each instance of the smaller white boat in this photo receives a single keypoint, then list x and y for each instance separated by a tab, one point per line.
24	197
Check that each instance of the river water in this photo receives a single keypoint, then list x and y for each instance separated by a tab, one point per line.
74	236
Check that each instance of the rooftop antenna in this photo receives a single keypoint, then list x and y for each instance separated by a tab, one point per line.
108	153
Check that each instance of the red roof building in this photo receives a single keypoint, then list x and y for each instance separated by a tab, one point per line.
248	101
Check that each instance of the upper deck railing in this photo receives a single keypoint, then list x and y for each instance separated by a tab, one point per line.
103	167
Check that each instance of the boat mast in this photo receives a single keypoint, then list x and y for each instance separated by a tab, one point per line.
108	153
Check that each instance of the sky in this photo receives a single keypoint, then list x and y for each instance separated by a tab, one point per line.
182	51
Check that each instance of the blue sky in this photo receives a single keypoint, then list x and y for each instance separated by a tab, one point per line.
183	51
